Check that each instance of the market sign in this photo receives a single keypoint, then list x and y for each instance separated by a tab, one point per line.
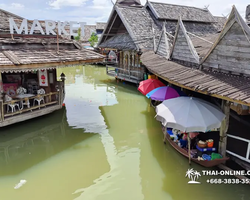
50	27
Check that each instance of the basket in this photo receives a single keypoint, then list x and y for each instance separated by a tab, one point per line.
202	145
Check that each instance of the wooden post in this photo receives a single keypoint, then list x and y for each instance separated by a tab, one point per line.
1	86
2	110
189	150
225	106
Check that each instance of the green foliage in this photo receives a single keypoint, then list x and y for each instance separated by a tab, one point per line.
93	39
78	37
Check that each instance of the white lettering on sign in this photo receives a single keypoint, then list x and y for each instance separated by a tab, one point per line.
18	30
50	27
36	26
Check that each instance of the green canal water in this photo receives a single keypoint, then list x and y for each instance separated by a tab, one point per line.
103	145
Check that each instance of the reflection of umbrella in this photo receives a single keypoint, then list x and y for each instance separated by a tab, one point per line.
163	93
189	114
148	85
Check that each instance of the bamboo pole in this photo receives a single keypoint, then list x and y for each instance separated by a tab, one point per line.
189	150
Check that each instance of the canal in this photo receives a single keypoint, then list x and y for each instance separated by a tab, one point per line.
104	144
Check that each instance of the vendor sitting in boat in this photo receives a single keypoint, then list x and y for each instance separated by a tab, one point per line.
181	138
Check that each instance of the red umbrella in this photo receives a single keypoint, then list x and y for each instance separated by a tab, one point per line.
148	85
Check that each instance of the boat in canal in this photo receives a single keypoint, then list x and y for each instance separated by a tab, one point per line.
184	152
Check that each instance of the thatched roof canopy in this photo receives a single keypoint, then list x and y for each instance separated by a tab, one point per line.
187	13
214	83
24	54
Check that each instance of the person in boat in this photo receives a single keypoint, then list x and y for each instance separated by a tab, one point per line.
182	139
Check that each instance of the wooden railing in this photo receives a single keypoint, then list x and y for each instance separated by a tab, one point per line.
130	73
48	101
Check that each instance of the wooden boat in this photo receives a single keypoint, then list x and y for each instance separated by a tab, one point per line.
154	103
204	163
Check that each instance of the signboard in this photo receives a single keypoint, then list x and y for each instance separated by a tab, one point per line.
43	78
51	27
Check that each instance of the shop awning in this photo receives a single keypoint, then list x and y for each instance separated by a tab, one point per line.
214	83
22	54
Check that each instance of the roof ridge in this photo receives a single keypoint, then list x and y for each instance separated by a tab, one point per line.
179	5
10	13
121	6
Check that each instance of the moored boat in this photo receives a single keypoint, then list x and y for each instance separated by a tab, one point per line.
184	152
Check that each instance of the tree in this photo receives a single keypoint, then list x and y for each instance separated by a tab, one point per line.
93	39
78	37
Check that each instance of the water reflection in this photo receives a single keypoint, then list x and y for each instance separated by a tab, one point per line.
39	140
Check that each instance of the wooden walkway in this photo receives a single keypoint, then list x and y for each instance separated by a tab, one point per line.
123	76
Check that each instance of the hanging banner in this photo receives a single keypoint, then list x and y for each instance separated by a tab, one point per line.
43	78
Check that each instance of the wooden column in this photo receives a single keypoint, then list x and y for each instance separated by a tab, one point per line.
189	149
1	99
225	106
1	86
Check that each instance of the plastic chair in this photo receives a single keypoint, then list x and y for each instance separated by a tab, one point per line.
20	91
39	98
11	104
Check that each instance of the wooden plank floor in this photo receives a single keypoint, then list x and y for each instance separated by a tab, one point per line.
29	115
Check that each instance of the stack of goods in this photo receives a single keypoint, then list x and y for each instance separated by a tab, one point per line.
207	146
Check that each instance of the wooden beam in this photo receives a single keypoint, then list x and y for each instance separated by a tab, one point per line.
110	27
200	38
224	127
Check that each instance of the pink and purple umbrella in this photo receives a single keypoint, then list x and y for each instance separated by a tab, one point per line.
163	93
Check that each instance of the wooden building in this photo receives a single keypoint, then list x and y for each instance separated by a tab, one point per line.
133	29
214	63
28	81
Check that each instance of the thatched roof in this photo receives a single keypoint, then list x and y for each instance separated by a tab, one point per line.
22	54
88	30
120	41
220	21
202	47
4	20
100	25
135	21
173	12
129	2
138	23
214	83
